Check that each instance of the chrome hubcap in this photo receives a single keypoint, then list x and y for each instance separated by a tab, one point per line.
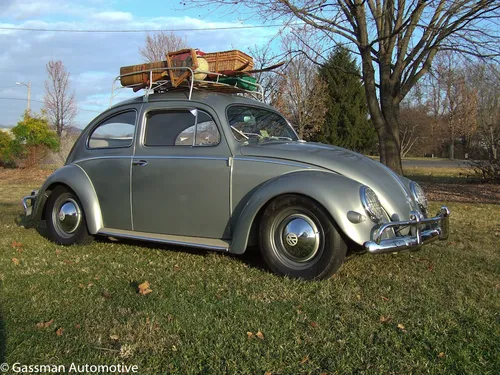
300	238
67	219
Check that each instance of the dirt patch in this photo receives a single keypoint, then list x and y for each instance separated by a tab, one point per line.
462	192
20	176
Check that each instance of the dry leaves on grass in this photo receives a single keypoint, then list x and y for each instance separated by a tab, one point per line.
106	294
16	244
441	355
252	335
304	360
385	319
402	328
16	261
314	324
114	337
144	288
45	324
60	331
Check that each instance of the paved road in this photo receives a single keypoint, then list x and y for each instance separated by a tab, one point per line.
441	163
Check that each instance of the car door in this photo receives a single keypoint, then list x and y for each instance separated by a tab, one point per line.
180	173
105	156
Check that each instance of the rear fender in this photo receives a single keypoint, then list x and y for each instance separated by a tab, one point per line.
77	180
336	193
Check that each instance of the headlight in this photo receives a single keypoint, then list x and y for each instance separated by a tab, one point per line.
418	194
371	204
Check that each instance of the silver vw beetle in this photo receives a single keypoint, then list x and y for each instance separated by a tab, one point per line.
222	172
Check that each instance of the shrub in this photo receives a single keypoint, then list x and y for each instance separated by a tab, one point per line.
6	149
487	170
32	140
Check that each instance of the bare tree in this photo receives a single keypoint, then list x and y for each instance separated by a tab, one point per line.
396	41
455	100
300	93
60	102
156	45
263	56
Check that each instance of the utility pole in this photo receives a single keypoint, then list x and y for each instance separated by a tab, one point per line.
28	85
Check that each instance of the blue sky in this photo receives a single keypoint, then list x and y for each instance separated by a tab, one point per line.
94	59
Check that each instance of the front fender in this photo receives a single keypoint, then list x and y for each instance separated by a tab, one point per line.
336	193
77	180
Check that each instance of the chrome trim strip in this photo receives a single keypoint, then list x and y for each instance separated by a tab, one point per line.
159	240
152	157
181	157
271	161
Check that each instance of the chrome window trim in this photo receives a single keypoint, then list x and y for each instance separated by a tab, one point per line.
144	126
87	147
263	108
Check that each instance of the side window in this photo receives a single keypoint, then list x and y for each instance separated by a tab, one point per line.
115	131
177	128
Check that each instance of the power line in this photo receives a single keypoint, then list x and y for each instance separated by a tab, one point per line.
39	101
141	31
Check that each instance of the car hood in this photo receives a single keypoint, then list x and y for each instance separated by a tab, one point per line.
390	187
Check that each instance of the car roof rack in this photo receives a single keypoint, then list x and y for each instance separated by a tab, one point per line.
192	84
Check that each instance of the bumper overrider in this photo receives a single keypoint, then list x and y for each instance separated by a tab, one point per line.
422	231
29	202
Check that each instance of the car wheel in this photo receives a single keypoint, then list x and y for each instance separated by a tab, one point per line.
65	218
298	239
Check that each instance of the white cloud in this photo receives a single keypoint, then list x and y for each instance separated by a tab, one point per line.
113	16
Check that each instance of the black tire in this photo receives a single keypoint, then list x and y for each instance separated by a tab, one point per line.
66	226
317	255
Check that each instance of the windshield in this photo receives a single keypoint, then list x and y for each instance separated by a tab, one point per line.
258	124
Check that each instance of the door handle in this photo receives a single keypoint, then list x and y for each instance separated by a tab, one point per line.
140	163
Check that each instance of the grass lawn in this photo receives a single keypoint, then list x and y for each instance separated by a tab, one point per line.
433	311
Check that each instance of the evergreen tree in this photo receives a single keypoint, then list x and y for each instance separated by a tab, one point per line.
347	124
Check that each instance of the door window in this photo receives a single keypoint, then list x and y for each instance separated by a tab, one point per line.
180	128
115	131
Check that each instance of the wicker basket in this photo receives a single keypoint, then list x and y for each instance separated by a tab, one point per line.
228	60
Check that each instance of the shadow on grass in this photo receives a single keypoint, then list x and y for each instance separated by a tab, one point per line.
251	257
3	335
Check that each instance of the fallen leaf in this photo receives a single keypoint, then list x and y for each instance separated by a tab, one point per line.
384	298
58	252
441	355
250	334
268	373
177	267
19	251
60	331
385	319
90	285
314	324
16	261
16	244
114	337
304	360
358	296
45	324
106	294
144	288
402	328
260	335
78	326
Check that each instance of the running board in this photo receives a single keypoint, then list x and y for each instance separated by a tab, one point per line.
199	242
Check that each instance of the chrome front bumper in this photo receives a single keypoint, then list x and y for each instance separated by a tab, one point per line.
423	231
29	202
